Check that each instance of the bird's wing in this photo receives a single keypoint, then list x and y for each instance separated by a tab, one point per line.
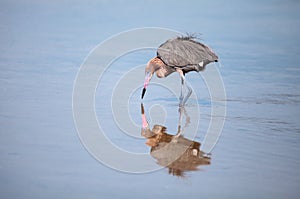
183	51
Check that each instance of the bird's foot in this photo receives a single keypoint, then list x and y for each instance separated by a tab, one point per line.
186	97
181	101
180	104
181	98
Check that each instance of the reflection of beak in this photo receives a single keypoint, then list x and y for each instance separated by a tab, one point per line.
142	109
144	120
147	80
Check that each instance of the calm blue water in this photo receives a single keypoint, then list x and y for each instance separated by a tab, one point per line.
43	44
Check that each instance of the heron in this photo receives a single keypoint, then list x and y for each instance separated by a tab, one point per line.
182	54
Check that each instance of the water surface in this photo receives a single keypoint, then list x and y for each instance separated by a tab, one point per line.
43	45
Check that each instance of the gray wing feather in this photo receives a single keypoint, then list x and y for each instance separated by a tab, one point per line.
183	51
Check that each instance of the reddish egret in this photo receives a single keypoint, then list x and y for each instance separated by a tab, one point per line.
182	54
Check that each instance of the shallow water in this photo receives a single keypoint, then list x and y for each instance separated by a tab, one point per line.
42	47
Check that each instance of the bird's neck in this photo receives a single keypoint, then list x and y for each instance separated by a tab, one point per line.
156	63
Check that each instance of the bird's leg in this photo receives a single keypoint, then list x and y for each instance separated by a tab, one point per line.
187	117
188	94
182	100
180	130
181	90
182	85
181	108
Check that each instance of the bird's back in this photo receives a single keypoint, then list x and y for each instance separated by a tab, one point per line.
185	52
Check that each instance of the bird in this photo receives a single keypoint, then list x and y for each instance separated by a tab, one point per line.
181	54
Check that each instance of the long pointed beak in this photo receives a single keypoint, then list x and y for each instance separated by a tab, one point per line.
147	80
143	92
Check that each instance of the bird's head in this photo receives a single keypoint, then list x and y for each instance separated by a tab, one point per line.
152	66
149	70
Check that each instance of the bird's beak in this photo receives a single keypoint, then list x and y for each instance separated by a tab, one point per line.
143	92
147	80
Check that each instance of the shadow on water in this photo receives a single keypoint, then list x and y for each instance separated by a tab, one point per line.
175	152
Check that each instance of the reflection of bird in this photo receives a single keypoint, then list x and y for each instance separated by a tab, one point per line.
180	156
182	54
175	152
